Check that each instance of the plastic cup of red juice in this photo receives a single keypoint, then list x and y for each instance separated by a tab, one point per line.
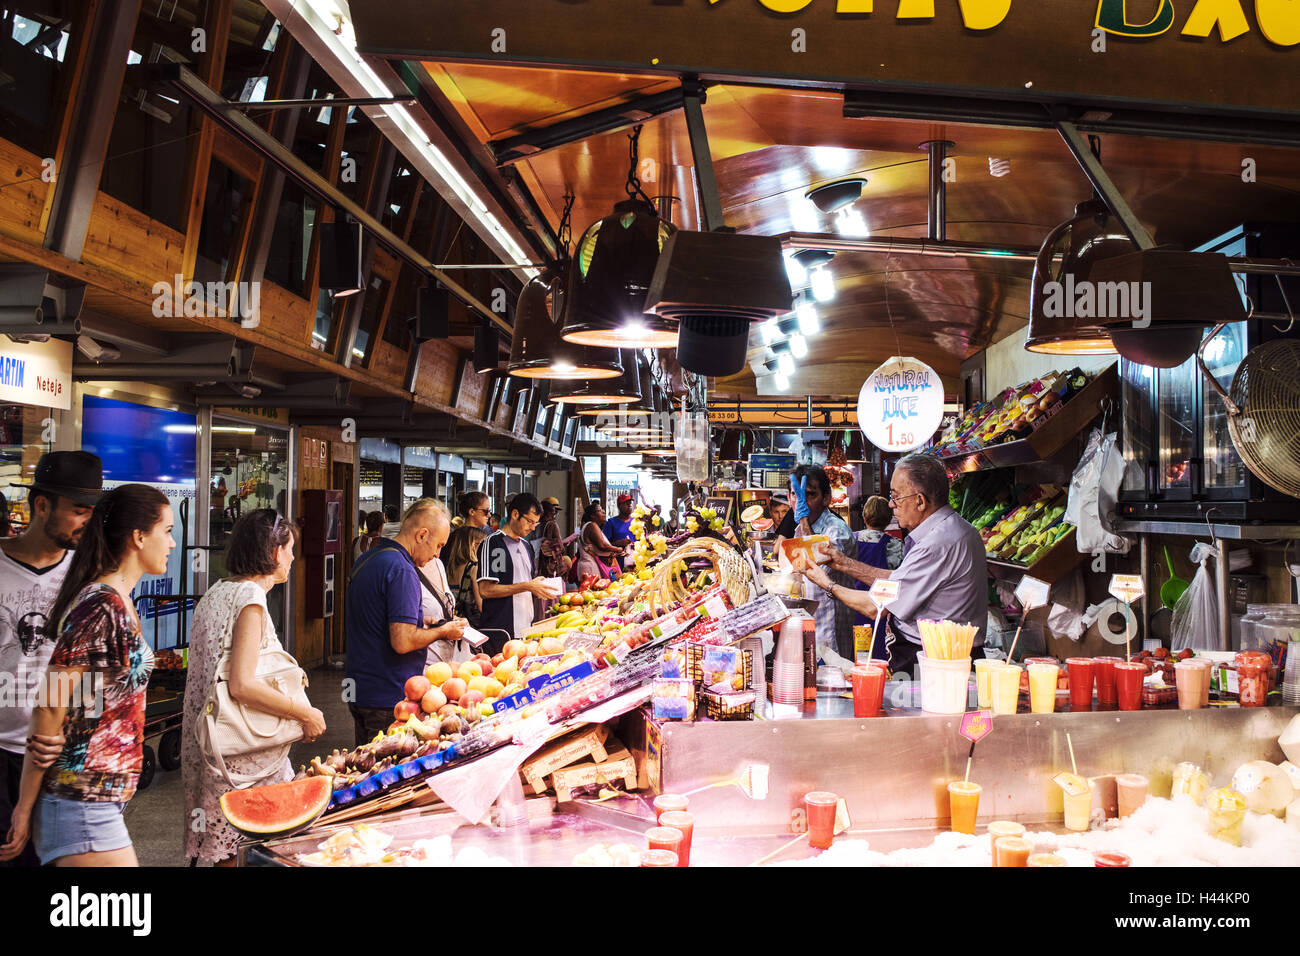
1111	859
868	690
1083	672
820	806
1106	690
669	801
1129	676
680	820
664	838
659	858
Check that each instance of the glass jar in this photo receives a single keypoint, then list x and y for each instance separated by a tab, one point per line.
1252	683
1270	627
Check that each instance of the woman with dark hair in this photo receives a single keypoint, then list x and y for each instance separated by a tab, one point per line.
460	554
595	554
95	690
231	630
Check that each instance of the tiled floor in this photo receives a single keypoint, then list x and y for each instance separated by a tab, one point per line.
156	816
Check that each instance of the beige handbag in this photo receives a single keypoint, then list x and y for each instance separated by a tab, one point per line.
230	729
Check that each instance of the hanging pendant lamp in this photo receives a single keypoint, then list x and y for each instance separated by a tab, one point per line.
612	268
623	390
537	351
1052	327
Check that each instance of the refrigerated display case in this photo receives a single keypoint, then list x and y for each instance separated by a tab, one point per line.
1179	455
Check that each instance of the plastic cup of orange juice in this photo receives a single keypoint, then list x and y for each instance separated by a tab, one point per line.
964	799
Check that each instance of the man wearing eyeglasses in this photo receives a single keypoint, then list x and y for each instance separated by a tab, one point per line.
507	578
944	574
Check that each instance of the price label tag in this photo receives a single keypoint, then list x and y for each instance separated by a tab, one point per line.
1073	786
1127	587
883	592
1031	592
977	725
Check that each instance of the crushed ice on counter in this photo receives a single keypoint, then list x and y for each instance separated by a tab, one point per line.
1160	833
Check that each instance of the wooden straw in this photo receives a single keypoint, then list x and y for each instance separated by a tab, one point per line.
1010	658
968	760
1073	766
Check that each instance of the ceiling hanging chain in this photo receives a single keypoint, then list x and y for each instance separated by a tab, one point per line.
633	185
564	235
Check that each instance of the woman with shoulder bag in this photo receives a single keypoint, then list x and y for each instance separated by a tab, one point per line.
244	698
97	680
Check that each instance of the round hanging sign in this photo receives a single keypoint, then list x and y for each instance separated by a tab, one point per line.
901	405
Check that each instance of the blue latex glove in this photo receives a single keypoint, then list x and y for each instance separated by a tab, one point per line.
799	486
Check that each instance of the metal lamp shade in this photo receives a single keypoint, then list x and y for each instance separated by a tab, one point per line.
715	284
1085	243
612	269
1183	293
537	351
623	390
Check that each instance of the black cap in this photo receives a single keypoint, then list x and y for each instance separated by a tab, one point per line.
76	475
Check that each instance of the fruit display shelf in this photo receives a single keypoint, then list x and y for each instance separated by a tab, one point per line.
1062	558
1051	433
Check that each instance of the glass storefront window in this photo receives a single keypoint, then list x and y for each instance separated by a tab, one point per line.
295	221
1178	417
250	470
376	295
22	434
412	486
372	488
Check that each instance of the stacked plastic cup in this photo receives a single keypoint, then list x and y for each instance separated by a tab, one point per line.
1291	677
787	666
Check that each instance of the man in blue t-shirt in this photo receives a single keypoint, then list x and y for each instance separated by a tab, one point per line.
386	636
618	527
507	575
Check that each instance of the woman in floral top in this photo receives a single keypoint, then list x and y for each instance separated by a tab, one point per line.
95	690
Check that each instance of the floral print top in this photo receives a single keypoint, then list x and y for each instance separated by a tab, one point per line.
105	722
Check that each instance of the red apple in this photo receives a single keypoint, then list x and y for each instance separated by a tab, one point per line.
405	709
433	699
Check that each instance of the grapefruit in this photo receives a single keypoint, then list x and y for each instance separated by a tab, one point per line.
417	686
279	808
437	673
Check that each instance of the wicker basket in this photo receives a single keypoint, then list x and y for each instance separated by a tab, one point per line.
716	709
695	665
666	589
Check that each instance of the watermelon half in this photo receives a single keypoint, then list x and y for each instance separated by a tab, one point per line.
279	808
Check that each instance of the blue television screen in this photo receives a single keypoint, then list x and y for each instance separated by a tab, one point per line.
139	443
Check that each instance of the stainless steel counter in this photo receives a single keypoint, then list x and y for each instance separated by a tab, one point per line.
893	771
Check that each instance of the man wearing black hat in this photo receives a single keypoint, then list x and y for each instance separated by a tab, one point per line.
64	490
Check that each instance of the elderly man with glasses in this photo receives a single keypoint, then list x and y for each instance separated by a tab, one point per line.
944	574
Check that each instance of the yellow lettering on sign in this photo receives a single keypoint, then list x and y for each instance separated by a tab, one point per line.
1226	13
1279	20
983	14
854	6
784	6
916	9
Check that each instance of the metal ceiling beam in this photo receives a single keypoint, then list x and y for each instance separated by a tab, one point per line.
194	90
706	179
324	103
1023	114
542	139
1105	186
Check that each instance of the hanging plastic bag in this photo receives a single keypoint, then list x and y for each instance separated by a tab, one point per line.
1093	490
1196	615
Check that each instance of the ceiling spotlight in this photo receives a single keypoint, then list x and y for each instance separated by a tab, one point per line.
809	322
835	196
849	223
770	331
809	259
782	383
798	346
797	273
785	363
823	284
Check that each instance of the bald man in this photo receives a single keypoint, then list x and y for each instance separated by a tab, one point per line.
385	619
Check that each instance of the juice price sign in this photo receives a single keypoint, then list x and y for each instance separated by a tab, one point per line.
900	405
1127	587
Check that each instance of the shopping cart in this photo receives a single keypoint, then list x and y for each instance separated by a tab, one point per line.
165	696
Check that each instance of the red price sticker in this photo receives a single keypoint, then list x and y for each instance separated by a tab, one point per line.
977	725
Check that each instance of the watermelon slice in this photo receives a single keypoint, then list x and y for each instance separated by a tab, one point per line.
761	524
279	808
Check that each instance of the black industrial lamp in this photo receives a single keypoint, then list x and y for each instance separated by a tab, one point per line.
857	448
716	284
613	264
623	390
1052	326
537	351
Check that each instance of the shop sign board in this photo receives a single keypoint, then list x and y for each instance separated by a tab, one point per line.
36	373
900	405
976	725
278	416
1236	55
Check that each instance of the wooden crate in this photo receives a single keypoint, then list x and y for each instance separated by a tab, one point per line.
588	741
620	765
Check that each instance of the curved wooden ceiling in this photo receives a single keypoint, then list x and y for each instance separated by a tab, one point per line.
770	146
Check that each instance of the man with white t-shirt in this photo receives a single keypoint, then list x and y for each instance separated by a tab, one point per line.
507	574
63	494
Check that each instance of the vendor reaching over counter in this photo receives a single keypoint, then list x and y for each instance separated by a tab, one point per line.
943	575
812	496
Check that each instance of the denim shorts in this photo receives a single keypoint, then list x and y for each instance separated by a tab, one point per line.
63	827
